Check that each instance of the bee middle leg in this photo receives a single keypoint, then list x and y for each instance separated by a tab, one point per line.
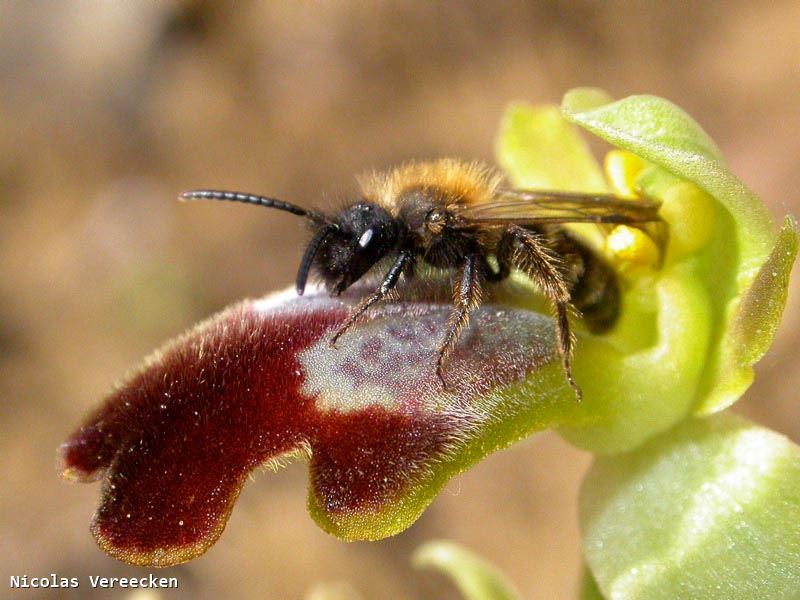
529	251
467	296
404	261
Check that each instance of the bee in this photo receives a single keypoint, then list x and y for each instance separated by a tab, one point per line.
457	216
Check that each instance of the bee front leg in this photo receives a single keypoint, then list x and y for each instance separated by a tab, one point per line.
387	285
530	252
467	296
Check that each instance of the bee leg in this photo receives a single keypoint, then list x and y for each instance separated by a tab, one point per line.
387	285
409	268
467	296
530	252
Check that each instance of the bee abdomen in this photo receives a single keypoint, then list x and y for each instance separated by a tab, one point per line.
593	285
596	295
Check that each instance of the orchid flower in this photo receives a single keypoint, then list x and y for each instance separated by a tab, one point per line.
683	500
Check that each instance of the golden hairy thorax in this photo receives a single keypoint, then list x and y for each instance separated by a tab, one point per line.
448	180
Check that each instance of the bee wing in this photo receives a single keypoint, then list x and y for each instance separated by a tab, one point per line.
542	207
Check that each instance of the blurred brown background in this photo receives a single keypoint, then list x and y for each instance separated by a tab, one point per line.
109	109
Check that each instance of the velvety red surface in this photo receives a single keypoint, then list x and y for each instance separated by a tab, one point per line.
176	440
182	434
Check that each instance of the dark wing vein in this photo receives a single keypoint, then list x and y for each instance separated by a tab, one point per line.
542	207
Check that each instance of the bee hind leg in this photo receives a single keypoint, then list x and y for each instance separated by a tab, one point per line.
467	297
530	252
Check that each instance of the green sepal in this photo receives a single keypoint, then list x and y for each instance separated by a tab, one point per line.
710	509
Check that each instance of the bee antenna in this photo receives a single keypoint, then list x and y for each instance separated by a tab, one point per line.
252	199
311	251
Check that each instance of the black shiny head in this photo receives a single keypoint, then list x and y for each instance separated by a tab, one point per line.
359	237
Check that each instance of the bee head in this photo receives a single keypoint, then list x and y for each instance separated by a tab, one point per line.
345	249
342	249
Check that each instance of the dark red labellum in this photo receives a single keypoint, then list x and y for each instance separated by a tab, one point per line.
175	442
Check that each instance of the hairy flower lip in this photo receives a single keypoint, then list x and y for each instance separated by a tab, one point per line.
176	440
433	289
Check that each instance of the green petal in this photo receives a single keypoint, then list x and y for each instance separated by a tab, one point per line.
475	578
539	149
744	238
751	324
710	509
